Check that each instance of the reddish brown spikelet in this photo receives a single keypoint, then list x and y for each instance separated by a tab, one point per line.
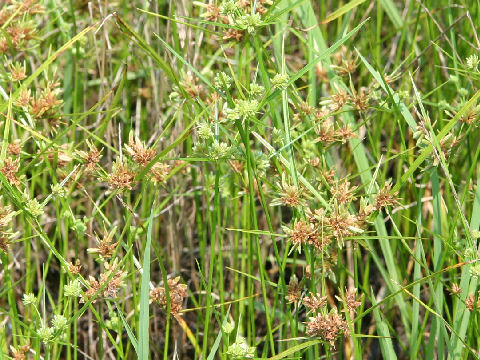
14	149
455	289
112	280
470	301
115	283
314	302
74	268
361	100
91	158
139	152
177	292
233	34
212	13
160	172
106	246
351	301
20	353
93	288
328	327
10	169
122	178
300	233
341	223
4	243
339	100
386	197
343	192
293	290
24	98
290	195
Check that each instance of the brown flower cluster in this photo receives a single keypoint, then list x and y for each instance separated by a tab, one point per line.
328	327
9	169
328	133
314	302
112	280
351	302
320	226
294	290
289	195
74	268
91	158
177	292
47	104
160	172
386	197
122	177
471	303
140	154
20	353
260	6
106	246
19	29
6	216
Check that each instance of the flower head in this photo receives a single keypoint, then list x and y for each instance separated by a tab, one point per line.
177	292
280	81
73	289
121	178
240	349
249	22
472	62
29	299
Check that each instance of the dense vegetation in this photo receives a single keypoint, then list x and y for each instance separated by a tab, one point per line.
237	179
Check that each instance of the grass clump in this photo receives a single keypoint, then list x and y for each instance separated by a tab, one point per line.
239	179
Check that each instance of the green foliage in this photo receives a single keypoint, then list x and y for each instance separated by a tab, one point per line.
239	179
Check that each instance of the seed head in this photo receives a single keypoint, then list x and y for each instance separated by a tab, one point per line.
240	349
45	334
249	22
256	90
455	289
59	322
229	7
234	34
290	195
160	172
219	150
314	302
138	151
34	208
386	197
204	131
327	327
106	246
29	299
472	62
228	327
20	352
121	178
177	292
294	290
300	233
351	301
242	110
222	81
91	158
280	81
73	289
9	169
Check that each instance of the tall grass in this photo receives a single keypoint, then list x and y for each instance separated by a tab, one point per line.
229	179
